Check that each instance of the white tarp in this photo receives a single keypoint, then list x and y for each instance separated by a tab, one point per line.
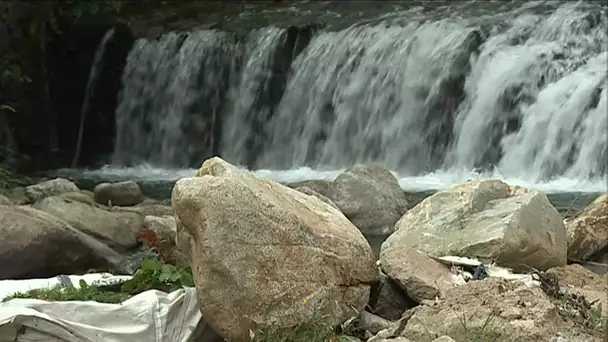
151	316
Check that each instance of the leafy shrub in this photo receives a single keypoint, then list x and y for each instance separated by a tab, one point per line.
152	274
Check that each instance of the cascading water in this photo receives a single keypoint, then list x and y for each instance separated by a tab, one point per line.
248	102
171	91
372	94
93	74
532	104
519	93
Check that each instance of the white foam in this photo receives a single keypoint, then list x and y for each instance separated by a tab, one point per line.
438	180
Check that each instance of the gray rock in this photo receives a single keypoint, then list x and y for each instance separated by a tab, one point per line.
371	197
117	230
146	209
389	300
125	193
311	192
53	187
38	245
373	323
323	187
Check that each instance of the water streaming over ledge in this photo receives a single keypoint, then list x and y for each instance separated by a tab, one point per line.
519	94
96	68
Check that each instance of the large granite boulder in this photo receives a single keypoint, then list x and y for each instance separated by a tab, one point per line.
486	219
267	256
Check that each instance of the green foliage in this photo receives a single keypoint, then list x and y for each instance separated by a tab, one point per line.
302	333
82	8
487	332
153	274
86	292
310	332
9	180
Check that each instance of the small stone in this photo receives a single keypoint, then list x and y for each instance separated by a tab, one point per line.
372	323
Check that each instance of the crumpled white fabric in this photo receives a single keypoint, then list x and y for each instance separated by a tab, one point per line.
151	316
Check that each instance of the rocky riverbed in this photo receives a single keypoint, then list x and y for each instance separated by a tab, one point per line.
250	239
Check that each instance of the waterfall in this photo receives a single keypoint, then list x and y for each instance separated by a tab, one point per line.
172	90
531	94
248	103
518	92
90	89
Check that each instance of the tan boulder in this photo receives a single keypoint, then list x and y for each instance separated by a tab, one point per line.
38	245
116	229
588	230
265	255
488	220
495	310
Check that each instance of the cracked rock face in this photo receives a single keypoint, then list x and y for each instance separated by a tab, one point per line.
485	219
264	255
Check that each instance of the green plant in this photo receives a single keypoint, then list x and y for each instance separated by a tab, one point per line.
315	331
85	292
311	332
153	274
80	8
303	333
483	333
10	180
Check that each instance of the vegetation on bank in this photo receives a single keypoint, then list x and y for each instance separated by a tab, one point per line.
154	273
10	180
